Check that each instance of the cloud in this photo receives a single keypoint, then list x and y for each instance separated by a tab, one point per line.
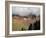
25	11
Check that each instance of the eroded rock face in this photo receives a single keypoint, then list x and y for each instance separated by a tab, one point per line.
35	26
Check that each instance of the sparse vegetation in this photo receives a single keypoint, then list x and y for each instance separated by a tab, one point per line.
19	24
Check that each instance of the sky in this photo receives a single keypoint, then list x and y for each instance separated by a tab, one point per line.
25	11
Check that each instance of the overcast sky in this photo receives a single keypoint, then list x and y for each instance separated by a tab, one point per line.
25	11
